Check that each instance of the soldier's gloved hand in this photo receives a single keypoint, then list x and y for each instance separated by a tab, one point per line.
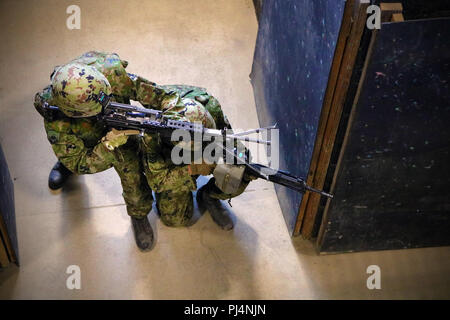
202	169
115	138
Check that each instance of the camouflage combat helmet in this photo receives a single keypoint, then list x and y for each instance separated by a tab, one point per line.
188	109
113	68
196	112
75	87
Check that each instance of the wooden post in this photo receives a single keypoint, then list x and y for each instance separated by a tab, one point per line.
352	28
391	12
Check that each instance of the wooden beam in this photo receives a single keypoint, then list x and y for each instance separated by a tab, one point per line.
389	9
397	17
324	222
394	7
332	79
342	68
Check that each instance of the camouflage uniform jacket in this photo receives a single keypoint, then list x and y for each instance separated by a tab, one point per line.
76	141
193	104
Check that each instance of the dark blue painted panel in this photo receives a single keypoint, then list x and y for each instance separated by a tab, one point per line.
392	186
7	202
293	56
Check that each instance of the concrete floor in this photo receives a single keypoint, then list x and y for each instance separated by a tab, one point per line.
199	42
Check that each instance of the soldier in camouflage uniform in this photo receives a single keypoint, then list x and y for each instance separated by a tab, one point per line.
173	184
83	144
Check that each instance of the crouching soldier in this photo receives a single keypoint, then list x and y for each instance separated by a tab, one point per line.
173	184
83	144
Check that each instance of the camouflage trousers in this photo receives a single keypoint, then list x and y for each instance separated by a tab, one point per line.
136	192
176	208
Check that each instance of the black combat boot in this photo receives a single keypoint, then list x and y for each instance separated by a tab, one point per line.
58	176
215	207
143	233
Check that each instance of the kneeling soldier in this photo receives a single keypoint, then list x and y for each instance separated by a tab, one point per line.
173	184
81	141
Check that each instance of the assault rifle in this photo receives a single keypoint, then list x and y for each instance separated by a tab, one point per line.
126	116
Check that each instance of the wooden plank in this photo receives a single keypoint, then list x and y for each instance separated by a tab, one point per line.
393	7
389	9
344	144
398	17
332	124
334	73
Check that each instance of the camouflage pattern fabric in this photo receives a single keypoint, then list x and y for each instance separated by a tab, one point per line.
113	68
136	192
77	141
173	185
126	86
211	104
75	87
175	207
